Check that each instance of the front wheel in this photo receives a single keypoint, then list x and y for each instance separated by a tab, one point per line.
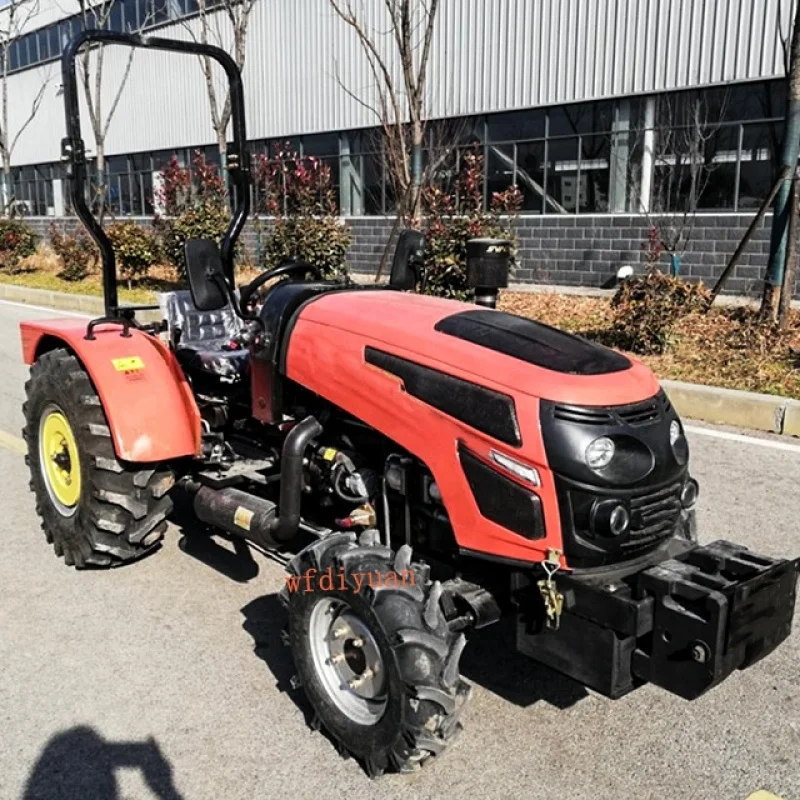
374	653
95	509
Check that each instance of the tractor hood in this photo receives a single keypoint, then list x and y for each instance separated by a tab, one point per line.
485	346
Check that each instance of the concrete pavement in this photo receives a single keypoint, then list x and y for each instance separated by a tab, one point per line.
167	678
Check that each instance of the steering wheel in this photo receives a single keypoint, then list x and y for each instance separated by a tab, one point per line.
287	268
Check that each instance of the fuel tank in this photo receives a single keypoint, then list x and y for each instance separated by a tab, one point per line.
462	388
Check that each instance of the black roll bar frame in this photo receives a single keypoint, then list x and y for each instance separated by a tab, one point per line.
73	150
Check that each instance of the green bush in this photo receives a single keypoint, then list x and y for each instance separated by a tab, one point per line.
322	241
78	254
298	192
17	241
195	204
207	221
136	249
647	307
453	217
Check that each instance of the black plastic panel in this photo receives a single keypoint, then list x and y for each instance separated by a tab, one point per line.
484	409
500	499
533	342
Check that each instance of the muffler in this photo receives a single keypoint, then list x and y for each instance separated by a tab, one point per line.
252	517
238	513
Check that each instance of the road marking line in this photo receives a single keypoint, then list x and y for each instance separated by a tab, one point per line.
738	437
763	794
12	442
58	311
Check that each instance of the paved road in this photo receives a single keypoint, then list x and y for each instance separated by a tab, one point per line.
167	679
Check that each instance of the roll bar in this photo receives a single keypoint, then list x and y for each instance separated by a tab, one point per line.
73	151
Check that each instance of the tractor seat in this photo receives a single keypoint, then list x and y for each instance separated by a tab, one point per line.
203	337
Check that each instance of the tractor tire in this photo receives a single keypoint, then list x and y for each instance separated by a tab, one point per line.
379	665
96	510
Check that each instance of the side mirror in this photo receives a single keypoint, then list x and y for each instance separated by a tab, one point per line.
408	260
206	276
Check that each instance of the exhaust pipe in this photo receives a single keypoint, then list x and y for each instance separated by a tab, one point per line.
294	447
252	517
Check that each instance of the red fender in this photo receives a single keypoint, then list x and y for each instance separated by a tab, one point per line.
151	411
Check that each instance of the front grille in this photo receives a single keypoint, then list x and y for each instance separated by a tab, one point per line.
653	517
634	414
584	416
640	413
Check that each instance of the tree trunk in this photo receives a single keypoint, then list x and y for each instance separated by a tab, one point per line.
789	277
7	189
100	183
417	135
790	153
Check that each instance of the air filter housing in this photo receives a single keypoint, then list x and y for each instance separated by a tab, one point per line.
488	265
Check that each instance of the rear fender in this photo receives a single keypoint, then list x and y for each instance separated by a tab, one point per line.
151	411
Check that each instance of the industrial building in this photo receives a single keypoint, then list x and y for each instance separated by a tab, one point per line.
592	107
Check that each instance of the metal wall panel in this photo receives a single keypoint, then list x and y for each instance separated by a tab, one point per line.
304	66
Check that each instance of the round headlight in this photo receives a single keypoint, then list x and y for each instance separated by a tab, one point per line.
674	431
619	520
600	452
609	518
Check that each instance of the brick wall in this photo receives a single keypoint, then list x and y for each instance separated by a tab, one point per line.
580	250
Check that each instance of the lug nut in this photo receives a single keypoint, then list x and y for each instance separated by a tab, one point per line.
337	659
341	631
354	683
358	642
700	653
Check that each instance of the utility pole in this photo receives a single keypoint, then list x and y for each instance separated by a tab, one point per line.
783	202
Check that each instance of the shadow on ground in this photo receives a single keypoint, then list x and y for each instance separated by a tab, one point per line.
79	764
231	557
490	660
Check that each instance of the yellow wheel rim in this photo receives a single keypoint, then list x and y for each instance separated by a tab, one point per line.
58	455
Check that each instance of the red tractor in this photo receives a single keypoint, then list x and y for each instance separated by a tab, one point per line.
431	465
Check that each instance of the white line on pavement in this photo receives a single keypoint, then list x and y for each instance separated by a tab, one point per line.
738	437
57	311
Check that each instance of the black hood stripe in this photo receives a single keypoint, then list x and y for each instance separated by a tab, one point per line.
486	410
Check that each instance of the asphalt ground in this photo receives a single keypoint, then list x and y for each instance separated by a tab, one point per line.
168	679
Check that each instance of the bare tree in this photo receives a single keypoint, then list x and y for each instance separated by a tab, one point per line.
400	95
13	19
222	23
686	159
91	64
781	220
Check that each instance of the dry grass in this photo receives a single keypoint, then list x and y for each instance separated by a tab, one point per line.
40	271
726	347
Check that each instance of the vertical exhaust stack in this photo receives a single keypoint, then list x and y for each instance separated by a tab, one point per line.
488	265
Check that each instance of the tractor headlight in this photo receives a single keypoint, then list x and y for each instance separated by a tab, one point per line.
609	518
600	452
677	440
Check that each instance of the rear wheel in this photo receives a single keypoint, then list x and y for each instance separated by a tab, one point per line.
374	653
95	509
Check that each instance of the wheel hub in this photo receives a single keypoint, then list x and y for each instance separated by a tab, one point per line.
348	660
58	458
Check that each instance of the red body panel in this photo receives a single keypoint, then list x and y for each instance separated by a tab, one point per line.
152	414
326	355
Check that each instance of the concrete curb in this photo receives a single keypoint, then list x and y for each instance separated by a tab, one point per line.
56	300
705	403
762	412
